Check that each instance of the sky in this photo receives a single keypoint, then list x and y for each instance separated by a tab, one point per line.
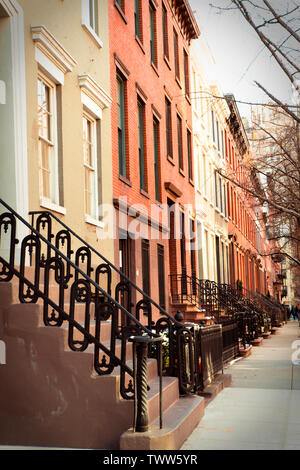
239	55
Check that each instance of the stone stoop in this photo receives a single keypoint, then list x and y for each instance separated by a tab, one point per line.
50	398
245	352
257	341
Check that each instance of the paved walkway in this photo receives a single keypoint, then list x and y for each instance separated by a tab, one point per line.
261	409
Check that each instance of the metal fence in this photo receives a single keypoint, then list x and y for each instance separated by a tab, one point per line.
211	353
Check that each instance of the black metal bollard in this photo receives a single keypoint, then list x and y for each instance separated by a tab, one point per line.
140	355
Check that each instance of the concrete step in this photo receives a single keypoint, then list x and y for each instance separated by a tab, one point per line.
179	420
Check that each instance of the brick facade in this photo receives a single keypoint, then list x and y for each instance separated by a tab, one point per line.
151	80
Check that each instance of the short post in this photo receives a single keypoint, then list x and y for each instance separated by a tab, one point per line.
141	420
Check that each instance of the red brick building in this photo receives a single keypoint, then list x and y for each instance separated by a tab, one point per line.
151	139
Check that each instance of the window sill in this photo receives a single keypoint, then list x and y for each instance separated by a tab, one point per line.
167	62
93	35
205	197
188	98
117	6
178	82
125	180
191	182
181	172
217	210
226	219
170	159
144	193
212	204
92	221
140	44
47	204
154	68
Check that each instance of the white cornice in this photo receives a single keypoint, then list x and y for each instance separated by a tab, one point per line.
52	49
94	91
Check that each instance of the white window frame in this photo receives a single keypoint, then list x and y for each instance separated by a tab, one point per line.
92	168
52	144
53	63
86	21
94	101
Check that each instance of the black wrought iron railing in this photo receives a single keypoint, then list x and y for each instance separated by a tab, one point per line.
87	281
223	301
46	259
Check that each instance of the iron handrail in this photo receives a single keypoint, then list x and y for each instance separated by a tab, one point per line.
111	265
77	268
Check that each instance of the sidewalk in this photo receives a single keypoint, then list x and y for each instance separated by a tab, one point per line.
261	409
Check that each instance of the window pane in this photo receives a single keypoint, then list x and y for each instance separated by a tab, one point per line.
121	127
152	35
165	31
137	18
141	145
156	159
179	140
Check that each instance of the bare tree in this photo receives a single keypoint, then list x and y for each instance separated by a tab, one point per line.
278	28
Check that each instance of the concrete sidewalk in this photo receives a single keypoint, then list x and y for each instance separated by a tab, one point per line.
261	409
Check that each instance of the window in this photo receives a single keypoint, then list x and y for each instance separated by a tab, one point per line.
141	130
93	15
90	20
121	126
218	136
152	35
200	251
221	195
47	130
165	31
53	63
223	143
146	266
161	275
189	154
138	19
216	190
90	165
168	128
156	159
176	54
179	142
186	74
213	125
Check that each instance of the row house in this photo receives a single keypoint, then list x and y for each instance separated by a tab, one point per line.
210	114
152	156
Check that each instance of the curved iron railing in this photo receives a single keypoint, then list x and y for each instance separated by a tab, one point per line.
50	255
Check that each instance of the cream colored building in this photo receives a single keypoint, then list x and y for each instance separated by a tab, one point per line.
209	123
55	127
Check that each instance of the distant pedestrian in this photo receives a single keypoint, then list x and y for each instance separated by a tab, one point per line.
293	313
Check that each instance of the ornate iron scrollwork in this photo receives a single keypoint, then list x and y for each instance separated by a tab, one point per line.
55	318
63	240
33	245
105	311
83	257
80	294
8	220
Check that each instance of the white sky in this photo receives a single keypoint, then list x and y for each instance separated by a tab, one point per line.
239	55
